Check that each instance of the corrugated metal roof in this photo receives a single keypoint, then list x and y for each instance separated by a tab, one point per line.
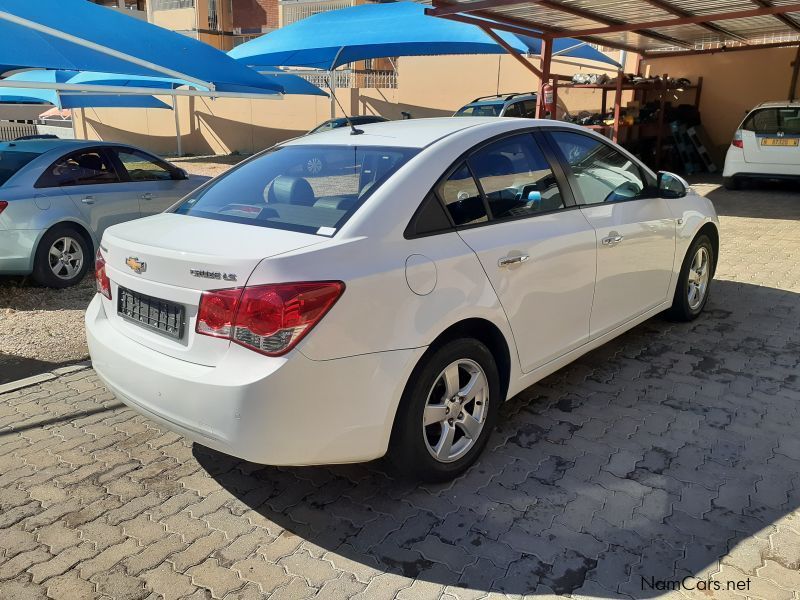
645	26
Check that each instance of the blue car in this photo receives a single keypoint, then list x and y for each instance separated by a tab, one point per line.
58	196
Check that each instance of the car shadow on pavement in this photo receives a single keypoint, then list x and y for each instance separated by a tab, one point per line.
637	466
760	200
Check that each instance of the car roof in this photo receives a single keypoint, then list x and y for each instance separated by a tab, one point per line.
778	104
42	146
410	133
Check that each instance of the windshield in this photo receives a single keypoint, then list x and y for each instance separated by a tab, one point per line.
305	188
774	120
485	109
12	161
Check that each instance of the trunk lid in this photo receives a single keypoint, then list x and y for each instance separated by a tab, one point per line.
174	258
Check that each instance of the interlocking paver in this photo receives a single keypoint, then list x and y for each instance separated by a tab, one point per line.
670	451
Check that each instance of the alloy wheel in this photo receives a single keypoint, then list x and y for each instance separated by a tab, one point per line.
456	410
699	274
65	258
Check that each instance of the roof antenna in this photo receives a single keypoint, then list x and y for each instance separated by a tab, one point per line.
353	129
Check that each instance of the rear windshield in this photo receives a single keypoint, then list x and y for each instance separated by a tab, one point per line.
308	188
11	162
481	110
774	120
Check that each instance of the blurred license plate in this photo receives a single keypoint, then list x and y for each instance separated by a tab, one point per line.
779	141
159	315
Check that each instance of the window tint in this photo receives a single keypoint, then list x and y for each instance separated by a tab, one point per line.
305	188
603	174
12	161
429	218
516	178
774	120
85	167
141	167
460	195
514	110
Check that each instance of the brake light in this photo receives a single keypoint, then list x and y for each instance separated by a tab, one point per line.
102	280
737	140
3	205
270	319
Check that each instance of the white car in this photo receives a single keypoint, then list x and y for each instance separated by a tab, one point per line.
392	301
765	146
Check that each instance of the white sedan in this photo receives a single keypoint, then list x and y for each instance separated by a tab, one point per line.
389	303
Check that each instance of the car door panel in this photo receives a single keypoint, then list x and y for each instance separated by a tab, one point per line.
634	229
536	248
152	179
548	296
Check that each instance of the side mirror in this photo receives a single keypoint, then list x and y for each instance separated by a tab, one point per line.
671	185
181	174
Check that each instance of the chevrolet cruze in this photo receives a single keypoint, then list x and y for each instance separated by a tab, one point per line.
391	301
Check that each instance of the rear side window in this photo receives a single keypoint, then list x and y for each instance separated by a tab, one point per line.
516	178
304	188
774	121
11	162
461	197
85	167
602	173
489	109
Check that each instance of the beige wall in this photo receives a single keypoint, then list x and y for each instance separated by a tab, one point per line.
733	82
179	19
427	87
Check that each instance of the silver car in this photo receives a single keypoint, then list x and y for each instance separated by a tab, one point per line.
58	196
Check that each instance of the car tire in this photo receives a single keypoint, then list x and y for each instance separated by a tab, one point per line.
732	183
694	281
438	433
68	268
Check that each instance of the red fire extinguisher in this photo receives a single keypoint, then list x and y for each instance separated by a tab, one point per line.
548	102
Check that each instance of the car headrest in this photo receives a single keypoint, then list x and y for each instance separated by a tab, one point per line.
291	190
91	162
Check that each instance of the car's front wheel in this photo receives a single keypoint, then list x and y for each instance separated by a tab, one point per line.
62	258
447	412
694	280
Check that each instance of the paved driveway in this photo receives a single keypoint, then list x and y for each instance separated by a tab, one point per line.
672	452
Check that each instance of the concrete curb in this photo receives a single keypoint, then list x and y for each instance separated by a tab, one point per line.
13	386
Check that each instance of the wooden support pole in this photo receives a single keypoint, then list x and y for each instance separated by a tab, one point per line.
547	59
617	108
795	70
512	51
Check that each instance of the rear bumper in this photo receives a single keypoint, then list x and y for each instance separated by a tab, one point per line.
17	247
279	411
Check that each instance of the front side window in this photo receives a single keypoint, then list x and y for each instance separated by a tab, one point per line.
602	173
86	167
773	121
304	188
516	178
461	197
141	167
12	161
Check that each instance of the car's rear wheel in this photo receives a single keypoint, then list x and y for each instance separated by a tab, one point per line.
62	257
694	281
447	412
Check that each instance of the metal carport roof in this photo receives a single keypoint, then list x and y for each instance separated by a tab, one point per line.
648	27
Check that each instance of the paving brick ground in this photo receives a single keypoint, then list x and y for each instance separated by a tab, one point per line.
671	452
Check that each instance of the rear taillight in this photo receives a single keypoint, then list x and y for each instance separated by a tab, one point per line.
103	283
270	319
3	205
737	140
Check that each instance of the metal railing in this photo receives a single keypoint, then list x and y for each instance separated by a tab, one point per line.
172	4
351	79
11	131
294	10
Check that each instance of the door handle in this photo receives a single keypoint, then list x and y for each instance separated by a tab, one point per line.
147	196
507	261
88	200
613	239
